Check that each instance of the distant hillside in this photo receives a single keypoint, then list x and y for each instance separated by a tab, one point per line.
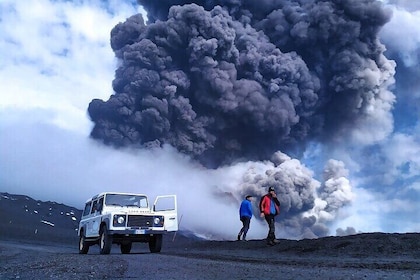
25	218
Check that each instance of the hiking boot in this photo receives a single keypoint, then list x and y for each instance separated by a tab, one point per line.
239	237
276	241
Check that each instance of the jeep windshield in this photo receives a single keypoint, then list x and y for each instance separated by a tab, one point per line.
126	200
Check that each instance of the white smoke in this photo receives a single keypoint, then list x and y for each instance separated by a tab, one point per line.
336	190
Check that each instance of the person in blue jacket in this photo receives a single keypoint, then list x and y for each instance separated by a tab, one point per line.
245	215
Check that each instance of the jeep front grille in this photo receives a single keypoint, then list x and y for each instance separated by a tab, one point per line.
140	221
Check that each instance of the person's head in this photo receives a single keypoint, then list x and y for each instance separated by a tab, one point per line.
271	190
248	197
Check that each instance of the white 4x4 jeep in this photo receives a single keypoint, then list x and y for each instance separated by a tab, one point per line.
124	218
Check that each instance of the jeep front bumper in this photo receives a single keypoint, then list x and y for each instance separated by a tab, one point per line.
135	231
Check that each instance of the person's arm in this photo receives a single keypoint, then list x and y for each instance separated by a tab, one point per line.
250	208
262	205
276	201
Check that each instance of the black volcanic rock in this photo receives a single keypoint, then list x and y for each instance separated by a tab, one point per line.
34	220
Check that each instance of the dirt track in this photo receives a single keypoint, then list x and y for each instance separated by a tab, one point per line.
366	256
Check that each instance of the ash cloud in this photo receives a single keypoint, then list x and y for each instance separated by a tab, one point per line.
226	81
254	82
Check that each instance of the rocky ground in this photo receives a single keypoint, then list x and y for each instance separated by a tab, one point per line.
31	249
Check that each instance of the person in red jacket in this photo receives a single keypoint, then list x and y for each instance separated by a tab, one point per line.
269	208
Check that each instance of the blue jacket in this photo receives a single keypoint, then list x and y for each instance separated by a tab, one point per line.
246	209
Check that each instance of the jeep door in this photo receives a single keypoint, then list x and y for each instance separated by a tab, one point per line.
166	206
94	221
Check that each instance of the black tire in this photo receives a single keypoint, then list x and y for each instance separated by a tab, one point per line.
105	242
83	245
155	243
125	248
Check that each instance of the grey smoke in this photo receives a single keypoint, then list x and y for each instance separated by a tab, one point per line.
335	189
225	81
344	232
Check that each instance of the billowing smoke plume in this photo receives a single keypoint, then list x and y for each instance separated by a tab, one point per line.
224	81
227	81
336	189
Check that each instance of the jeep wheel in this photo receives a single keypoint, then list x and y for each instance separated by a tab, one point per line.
125	248
83	245
105	242
155	243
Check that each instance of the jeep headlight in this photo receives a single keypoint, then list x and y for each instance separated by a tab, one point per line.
158	221
119	220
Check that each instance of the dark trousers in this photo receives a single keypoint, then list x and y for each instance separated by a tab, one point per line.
245	226
271	227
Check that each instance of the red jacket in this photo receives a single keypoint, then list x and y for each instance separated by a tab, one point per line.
265	204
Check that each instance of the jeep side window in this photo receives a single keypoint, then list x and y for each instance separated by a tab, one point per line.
87	208
100	204
165	204
94	207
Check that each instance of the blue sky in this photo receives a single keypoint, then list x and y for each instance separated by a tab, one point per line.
56	58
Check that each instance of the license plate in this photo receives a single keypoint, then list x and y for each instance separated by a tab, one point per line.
140	231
